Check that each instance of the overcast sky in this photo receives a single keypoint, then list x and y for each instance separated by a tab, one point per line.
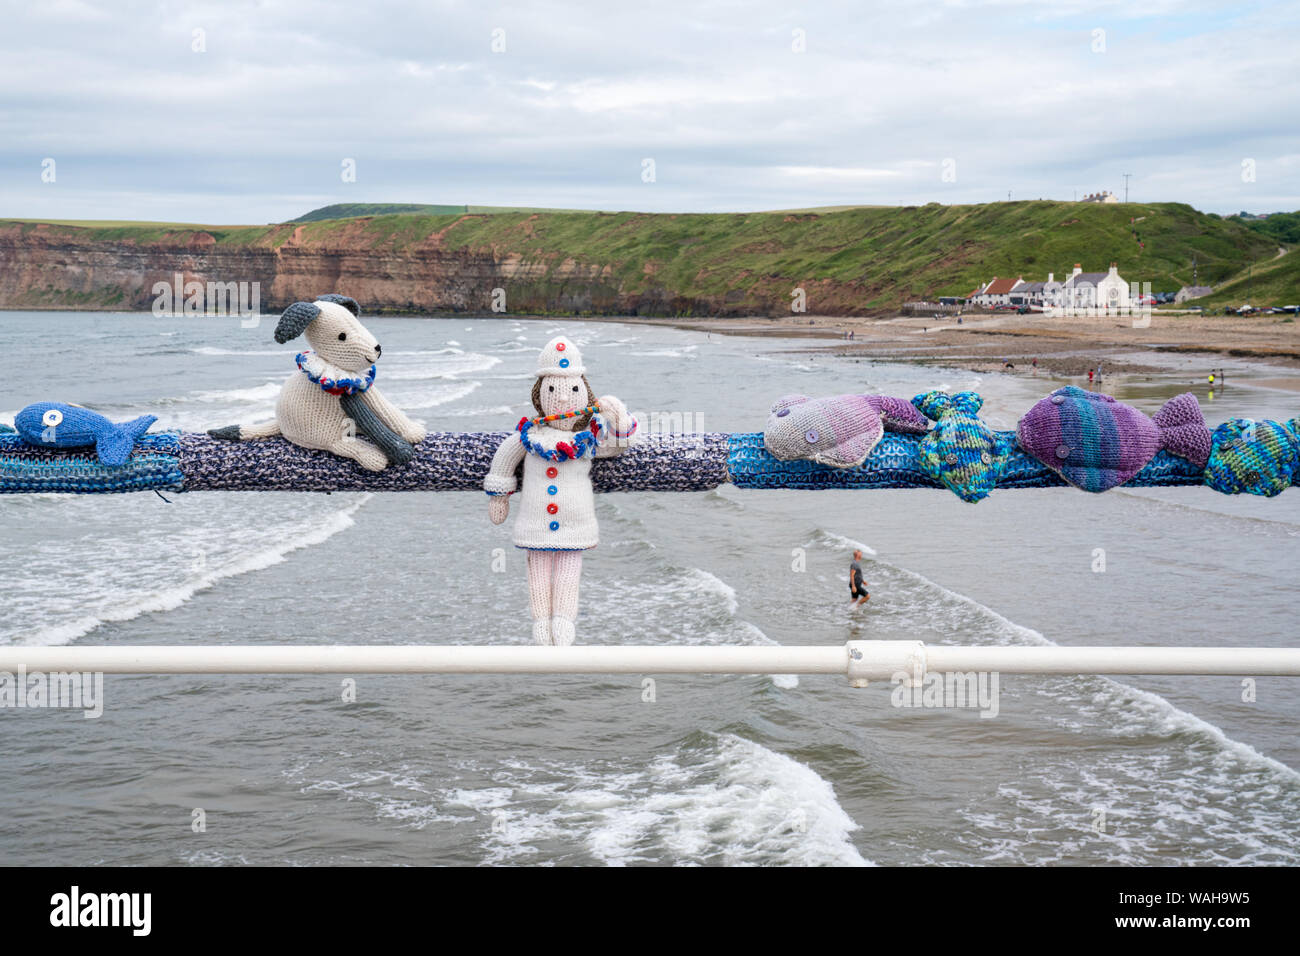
739	105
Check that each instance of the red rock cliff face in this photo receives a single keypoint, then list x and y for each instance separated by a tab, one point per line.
52	267
44	267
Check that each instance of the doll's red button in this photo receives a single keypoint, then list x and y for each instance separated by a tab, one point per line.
559	346
552	472
552	508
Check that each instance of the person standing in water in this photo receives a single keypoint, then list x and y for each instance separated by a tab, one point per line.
857	586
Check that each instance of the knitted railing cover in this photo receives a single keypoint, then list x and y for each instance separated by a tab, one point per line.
154	465
896	463
445	461
453	461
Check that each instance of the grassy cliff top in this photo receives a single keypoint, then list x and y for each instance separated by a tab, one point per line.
893	253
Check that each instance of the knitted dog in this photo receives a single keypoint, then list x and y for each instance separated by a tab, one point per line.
557	511
331	399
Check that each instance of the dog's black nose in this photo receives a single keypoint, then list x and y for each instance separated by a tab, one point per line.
378	350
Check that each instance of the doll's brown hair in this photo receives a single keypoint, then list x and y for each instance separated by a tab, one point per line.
583	420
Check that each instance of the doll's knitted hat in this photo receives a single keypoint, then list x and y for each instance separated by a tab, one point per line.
560	357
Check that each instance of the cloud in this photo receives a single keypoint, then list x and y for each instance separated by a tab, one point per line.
245	111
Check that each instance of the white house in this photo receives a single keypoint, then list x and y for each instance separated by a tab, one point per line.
1192	292
1087	290
997	292
1052	296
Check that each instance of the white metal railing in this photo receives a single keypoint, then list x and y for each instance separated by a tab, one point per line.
859	661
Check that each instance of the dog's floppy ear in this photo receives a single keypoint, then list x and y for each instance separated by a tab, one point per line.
349	304
295	320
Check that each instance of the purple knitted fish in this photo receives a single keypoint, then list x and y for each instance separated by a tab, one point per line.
839	431
1095	442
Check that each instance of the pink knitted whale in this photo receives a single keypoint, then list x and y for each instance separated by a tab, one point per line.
839	431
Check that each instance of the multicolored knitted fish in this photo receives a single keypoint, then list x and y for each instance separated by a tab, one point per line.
1255	458
962	452
1095	442
839	431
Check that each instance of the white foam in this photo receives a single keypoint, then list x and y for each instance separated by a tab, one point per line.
267	392
1128	709
839	541
412	399
461	364
727	801
127	606
213	350
711	584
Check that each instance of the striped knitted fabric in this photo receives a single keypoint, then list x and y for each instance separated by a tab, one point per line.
154	465
1097	443
961	452
1256	458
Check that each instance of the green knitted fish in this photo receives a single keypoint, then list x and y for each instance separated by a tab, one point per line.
1256	458
962	452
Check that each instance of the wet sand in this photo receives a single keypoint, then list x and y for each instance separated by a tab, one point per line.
1065	346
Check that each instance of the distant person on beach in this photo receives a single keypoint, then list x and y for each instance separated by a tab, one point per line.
1211	379
1089	376
857	587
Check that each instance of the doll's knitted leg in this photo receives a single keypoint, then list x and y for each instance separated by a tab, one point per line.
564	596
540	570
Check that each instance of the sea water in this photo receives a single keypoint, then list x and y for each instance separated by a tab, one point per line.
610	769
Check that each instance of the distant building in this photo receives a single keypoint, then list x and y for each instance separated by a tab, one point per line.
997	292
1086	290
1027	293
1052	295
1192	292
1103	196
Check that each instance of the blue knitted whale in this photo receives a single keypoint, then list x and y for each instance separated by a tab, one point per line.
58	425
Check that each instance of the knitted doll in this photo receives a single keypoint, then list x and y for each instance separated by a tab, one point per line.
557	514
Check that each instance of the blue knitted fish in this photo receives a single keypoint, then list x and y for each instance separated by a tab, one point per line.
58	425
1256	458
962	452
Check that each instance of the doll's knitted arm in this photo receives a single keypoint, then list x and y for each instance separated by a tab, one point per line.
500	479
621	425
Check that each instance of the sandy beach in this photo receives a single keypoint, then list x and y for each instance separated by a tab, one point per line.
1267	348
